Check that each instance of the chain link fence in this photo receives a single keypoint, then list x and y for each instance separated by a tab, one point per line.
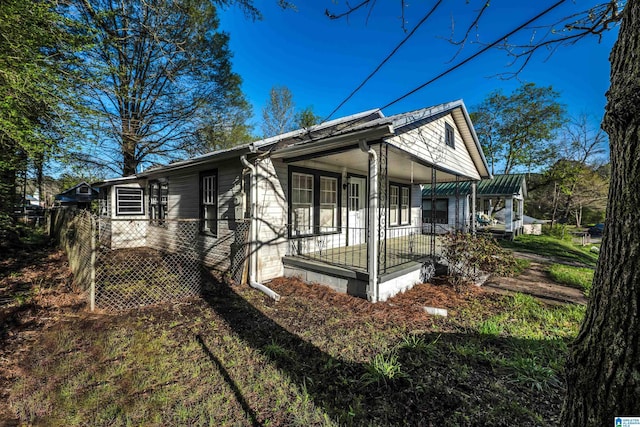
142	262
126	263
74	230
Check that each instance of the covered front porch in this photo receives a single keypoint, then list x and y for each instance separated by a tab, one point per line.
354	200
328	260
370	241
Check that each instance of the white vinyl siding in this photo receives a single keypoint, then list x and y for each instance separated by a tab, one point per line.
428	142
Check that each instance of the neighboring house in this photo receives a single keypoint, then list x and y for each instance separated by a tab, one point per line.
79	196
29	210
454	208
339	203
32	200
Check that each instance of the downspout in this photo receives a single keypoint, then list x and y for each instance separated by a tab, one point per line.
373	291
473	207
253	235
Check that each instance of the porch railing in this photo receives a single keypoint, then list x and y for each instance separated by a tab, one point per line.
403	245
344	247
347	247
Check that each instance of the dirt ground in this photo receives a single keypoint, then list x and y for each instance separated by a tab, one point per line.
36	294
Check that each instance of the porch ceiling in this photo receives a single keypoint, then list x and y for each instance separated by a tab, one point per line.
401	167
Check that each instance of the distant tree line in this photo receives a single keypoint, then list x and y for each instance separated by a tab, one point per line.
528	131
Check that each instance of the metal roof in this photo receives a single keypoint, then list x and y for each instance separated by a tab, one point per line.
500	185
319	136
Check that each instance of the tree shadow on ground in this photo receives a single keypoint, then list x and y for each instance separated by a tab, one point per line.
447	378
27	268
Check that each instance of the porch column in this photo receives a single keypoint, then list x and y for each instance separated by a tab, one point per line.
473	207
383	224
521	213
372	223
458	228
508	214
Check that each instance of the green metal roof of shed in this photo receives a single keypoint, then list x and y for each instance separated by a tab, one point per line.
500	185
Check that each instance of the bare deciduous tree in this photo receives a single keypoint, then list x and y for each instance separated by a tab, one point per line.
157	72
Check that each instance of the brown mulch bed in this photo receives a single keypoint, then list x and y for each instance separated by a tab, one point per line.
406	307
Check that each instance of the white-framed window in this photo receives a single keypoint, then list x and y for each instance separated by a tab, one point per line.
158	201
314	205
84	189
209	202
129	201
404	205
328	204
393	204
399	196
449	135
301	203
104	203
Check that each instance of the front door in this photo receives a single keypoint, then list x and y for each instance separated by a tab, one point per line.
357	211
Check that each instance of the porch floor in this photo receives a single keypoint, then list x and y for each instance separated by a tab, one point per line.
399	252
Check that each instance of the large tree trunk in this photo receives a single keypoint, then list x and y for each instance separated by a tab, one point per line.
603	369
129	161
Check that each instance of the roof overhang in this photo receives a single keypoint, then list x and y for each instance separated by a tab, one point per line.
334	142
219	155
115	181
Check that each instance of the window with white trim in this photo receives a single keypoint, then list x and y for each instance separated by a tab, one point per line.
129	201
209	202
314	205
301	204
404	205
393	204
158	201
328	204
449	135
399	196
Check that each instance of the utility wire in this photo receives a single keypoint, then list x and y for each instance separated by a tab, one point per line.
475	55
393	52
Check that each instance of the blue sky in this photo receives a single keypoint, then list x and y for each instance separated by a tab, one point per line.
321	61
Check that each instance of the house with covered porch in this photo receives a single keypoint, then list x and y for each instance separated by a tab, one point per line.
493	205
338	203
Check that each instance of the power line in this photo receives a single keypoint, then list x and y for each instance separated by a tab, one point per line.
393	52
475	55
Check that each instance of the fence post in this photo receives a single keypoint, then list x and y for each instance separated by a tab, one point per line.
92	290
